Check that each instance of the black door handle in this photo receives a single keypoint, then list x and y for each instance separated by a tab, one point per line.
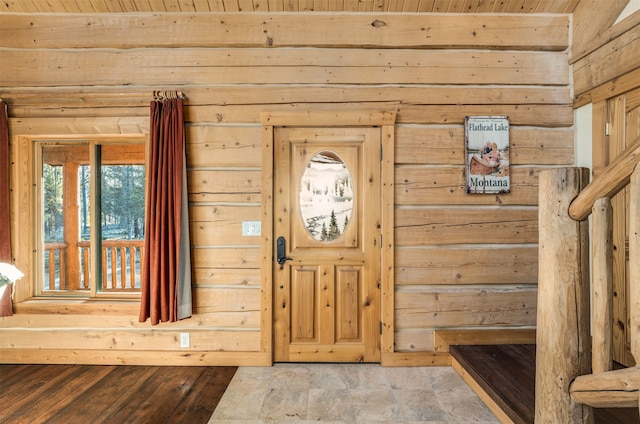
281	251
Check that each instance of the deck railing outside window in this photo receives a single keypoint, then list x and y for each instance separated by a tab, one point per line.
121	261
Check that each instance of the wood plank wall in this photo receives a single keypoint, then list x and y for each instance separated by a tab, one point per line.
462	261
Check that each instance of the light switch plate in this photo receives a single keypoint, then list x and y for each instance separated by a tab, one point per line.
251	228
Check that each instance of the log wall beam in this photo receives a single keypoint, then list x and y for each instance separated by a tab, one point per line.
526	32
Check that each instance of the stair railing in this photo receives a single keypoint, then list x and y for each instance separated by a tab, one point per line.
570	380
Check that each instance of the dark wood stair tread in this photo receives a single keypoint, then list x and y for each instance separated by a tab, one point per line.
507	373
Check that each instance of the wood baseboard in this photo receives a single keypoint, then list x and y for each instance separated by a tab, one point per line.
132	357
415	359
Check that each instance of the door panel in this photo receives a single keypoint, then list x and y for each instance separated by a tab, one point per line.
327	206
348	311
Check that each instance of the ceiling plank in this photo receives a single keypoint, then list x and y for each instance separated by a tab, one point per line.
352	5
545	6
274	5
186	6
484	6
305	5
334	5
231	5
71	7
201	5
441	6
410	6
35	6
172	5
142	6
126	5
290	5
218	5
246	5
190	6
112	7
570	6
365	5
470	6
456	6
531	6
426	5
515	6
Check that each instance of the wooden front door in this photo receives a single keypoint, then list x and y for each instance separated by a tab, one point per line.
327	230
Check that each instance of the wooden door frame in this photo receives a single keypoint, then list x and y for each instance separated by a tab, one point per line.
353	118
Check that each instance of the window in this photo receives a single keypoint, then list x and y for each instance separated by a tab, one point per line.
326	196
90	232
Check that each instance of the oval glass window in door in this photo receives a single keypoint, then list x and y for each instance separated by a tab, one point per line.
326	196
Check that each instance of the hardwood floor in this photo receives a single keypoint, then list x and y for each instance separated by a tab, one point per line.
110	394
506	373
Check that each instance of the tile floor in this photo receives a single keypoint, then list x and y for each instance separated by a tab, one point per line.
349	393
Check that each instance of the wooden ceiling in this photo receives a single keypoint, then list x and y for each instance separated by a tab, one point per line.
191	6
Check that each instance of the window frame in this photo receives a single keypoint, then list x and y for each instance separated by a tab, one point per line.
26	216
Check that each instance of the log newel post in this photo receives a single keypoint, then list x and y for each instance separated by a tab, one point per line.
602	276
563	349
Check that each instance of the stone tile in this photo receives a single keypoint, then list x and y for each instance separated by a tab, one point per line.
419	405
240	403
290	376
374	406
252	377
285	405
464	407
328	405
367	377
407	378
445	378
324	376
349	394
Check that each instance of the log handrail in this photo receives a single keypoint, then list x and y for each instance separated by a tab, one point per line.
614	178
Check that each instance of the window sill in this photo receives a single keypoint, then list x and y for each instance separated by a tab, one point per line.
60	306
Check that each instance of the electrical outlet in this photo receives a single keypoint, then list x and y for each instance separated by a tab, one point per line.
184	340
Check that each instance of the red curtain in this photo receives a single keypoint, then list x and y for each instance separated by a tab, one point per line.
5	233
166	272
6	308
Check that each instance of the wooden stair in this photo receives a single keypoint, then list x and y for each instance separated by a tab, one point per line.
504	378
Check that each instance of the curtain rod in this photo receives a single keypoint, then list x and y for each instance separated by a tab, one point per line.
168	94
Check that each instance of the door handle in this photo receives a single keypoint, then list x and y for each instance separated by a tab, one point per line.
281	251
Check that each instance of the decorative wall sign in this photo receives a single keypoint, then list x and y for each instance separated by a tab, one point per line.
487	154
